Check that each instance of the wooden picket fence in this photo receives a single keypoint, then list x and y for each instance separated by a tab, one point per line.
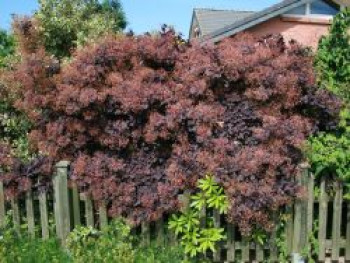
71	209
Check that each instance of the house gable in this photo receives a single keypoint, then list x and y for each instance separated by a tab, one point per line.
194	28
317	9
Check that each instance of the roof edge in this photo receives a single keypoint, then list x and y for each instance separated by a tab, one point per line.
219	10
254	19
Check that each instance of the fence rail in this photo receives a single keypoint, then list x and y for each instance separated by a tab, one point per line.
70	209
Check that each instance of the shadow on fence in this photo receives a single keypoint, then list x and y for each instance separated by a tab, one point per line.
71	209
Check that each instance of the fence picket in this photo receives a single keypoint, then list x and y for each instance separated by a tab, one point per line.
44	218
146	233
15	215
160	231
304	209
30	213
103	216
171	237
259	253
297	225
230	242
323	212
347	239
2	206
245	250
310	207
289	229
217	224
310	203
337	210
273	247
61	203
89	211
301	214
76	206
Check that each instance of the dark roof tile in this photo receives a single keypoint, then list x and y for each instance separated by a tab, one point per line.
211	20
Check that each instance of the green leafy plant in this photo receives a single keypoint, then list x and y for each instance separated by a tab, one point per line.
111	244
329	153
281	239
15	248
311	251
259	236
198	234
155	253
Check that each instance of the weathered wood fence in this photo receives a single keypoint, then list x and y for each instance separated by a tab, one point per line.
71	209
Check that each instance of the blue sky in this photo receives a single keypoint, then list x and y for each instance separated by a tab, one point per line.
146	15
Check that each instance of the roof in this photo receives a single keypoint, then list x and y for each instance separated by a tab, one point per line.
257	18
211	20
254	19
342	2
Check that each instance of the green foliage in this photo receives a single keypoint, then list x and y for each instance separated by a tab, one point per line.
281	239
14	126
24	249
159	254
311	251
86	244
66	24
211	195
333	57
112	244
7	47
259	236
329	153
197	237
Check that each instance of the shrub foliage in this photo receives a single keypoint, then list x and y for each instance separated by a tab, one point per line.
66	24
329	152
111	244
333	57
142	117
6	47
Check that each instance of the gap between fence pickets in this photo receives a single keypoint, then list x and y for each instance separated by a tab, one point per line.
297	229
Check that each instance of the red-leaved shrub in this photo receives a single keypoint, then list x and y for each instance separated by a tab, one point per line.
142	118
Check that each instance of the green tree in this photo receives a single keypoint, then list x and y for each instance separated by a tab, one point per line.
67	24
13	124
333	57
7	47
329	153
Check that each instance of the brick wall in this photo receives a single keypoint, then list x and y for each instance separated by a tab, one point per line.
306	31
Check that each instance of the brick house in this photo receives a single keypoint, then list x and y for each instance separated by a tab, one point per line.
302	20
